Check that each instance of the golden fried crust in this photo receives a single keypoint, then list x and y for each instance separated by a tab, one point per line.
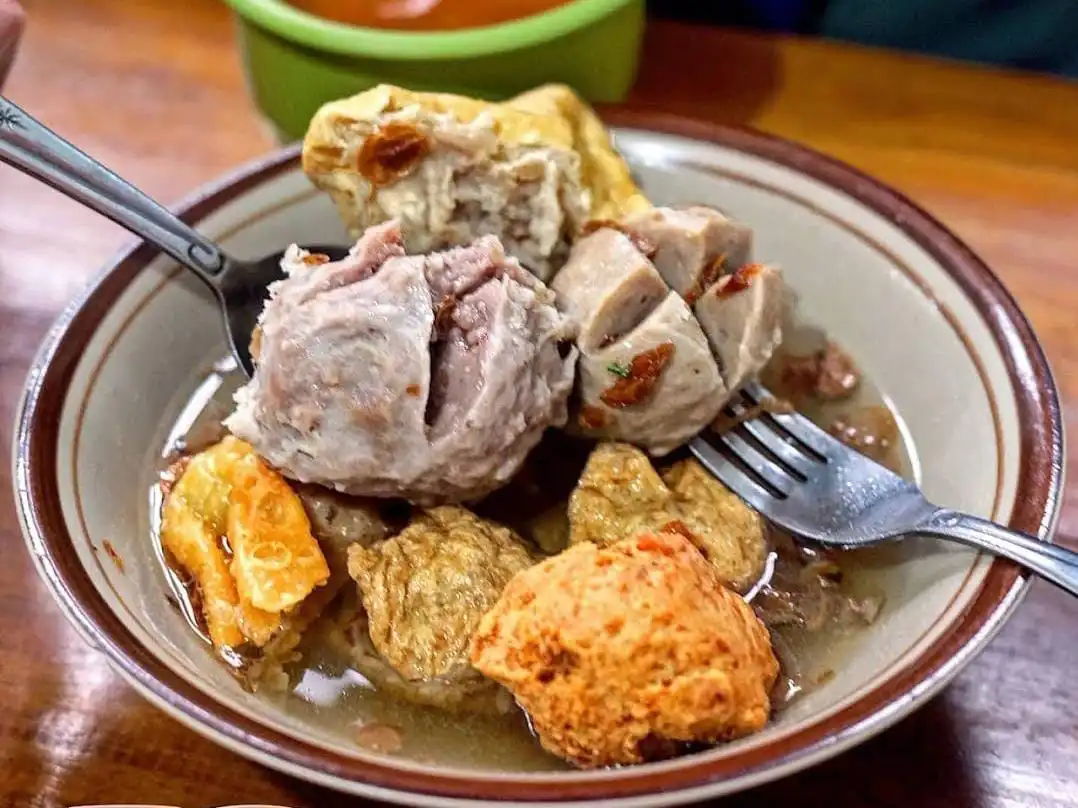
195	549
227	492
729	533
620	653
275	559
551	116
425	589
326	143
603	171
621	495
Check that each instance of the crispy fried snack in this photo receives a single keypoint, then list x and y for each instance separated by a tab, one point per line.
621	654
235	527
620	495
552	116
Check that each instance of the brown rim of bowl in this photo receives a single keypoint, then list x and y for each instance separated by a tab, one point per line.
1039	478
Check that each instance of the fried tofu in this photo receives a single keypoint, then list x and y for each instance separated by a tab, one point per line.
424	592
238	531
620	495
726	530
532	171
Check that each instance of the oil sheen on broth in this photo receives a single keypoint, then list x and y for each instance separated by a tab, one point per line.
328	694
425	15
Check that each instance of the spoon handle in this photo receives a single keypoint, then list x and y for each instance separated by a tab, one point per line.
1051	562
33	148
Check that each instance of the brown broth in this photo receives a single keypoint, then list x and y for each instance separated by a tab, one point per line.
425	15
329	694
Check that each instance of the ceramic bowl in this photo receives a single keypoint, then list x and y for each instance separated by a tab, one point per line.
295	62
920	313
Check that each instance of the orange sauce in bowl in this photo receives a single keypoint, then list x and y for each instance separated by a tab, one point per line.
425	15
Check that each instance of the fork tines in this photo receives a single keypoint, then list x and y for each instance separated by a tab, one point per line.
766	454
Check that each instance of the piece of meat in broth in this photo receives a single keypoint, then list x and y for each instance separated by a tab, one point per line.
742	317
646	374
339	393
423	377
705	257
693	246
503	373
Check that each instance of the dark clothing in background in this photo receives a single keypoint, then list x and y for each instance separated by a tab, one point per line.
1034	34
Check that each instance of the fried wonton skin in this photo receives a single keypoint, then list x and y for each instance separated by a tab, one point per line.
236	529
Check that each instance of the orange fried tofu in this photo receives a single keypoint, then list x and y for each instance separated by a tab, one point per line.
620	654
235	527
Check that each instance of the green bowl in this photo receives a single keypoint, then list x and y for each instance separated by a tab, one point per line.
295	61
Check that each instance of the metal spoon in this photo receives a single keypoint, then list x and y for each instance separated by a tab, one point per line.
240	286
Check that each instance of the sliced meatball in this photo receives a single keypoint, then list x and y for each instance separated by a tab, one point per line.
742	317
646	373
692	246
622	654
658	386
423	593
608	286
620	495
705	257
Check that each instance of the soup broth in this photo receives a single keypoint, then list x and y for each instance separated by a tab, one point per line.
425	15
326	691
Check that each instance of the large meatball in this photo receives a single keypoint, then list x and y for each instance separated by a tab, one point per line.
427	377
423	593
621	654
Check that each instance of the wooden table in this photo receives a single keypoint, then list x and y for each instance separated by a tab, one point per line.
155	90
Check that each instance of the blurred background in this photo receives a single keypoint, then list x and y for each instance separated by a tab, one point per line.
1030	34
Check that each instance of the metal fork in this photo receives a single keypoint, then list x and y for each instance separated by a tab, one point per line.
813	486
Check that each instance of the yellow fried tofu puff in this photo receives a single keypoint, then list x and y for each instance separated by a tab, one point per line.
532	171
620	495
237	529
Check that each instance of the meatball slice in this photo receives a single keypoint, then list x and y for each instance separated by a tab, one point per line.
692	246
741	314
423	593
622	654
646	373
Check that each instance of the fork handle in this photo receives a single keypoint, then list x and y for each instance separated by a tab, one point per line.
31	147
1049	561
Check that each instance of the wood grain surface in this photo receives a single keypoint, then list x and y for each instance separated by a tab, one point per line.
154	88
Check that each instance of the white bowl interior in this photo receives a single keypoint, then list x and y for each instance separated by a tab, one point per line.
859	276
